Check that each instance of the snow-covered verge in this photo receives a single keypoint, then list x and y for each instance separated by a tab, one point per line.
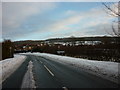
104	69
0	76
28	80
8	66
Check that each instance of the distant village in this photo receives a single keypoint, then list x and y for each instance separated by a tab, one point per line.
98	48
28	47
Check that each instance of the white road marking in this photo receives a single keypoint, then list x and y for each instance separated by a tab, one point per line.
49	70
41	62
64	88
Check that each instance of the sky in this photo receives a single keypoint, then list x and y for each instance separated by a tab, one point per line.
44	20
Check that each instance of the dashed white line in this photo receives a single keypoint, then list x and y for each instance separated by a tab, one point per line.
41	62
64	88
49	70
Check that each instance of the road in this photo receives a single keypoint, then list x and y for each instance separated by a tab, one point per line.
51	74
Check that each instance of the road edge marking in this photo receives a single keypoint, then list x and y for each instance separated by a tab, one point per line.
41	62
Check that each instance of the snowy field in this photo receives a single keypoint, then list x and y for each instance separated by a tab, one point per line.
8	66
104	69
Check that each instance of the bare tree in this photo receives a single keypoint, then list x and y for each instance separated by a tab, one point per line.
114	10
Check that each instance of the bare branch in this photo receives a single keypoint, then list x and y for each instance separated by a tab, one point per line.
114	10
114	31
111	10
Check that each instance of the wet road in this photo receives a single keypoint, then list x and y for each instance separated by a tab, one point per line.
51	74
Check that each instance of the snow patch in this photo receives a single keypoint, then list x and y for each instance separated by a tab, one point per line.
9	65
0	76
28	80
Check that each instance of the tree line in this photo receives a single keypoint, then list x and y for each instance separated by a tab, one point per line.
105	51
7	49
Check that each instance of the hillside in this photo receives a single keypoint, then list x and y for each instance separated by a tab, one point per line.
69	39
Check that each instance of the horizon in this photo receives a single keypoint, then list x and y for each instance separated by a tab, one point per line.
61	38
44	20
57	38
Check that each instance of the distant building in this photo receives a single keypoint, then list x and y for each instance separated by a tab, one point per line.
61	52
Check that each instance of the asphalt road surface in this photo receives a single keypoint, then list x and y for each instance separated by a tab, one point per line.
51	74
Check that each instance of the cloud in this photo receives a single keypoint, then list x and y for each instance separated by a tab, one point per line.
0	15
0	21
45	25
80	22
70	12
92	22
60	0
65	23
14	14
99	30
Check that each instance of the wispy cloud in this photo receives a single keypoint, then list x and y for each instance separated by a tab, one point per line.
0	21
14	14
95	21
59	0
47	20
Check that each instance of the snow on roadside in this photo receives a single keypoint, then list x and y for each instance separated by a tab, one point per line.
104	69
10	65
28	80
0	76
